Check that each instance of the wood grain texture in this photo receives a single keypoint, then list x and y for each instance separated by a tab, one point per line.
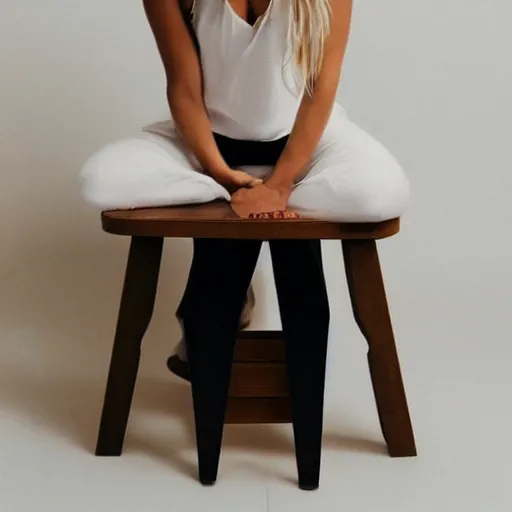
135	313
259	410
217	220
371	312
263	346
258	380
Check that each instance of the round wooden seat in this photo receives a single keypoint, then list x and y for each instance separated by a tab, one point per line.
217	220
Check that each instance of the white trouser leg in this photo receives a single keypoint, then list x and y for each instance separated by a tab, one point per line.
352	178
146	171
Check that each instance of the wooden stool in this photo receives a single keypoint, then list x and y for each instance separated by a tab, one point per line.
259	387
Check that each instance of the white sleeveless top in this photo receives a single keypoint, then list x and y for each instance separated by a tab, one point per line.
249	87
248	83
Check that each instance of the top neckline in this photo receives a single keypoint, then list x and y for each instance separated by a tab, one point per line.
259	21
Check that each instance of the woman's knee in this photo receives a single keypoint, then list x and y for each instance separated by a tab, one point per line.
107	176
363	179
143	172
383	191
369	188
338	200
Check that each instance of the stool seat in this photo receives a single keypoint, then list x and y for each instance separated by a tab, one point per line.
218	220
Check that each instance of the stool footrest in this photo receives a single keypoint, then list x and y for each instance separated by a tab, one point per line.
258	410
259	384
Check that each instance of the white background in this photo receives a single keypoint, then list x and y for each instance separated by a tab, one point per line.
430	79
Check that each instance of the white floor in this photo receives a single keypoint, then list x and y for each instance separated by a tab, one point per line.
454	341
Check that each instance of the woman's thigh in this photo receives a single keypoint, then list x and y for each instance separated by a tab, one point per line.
145	171
352	178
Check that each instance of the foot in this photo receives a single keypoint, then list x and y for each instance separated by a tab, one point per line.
261	201
179	365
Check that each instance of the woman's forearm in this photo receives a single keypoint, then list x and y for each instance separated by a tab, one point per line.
310	123
315	109
184	87
191	118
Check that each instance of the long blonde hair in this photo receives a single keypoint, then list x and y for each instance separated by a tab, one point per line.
308	28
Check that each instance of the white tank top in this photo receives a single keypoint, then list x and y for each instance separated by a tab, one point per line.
249	86
249	89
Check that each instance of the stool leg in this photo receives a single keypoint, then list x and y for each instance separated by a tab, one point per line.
219	277
304	309
136	309
371	312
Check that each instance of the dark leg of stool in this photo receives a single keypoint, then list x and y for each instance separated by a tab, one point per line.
136	309
219	278
304	309
372	316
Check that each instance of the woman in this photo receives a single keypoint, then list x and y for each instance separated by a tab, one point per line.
251	85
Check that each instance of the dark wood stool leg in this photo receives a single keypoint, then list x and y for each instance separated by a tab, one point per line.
210	383
220	275
304	309
372	316
135	313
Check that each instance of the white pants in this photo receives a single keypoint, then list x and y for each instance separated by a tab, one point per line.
351	177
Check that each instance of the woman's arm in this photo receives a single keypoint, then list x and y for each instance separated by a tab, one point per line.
184	89
315	109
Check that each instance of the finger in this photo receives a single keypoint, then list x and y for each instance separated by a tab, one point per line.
255	182
249	182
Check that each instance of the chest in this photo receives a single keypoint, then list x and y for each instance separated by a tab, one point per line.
229	43
249	10
240	26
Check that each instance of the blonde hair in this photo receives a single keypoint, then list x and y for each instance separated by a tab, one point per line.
308	28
